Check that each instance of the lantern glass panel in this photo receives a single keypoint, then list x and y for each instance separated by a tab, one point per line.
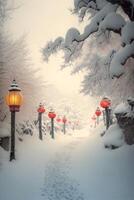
14	98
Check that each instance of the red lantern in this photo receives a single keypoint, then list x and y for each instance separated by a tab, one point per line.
93	118
98	112
64	120
51	115
58	120
105	102
41	109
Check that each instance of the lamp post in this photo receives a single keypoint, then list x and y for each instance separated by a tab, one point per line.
58	120
98	113
105	103
40	111
94	120
52	115
104	117
64	120
14	101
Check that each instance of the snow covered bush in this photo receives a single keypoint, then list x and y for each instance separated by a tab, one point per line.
26	127
122	108
114	137
4	129
4	135
125	118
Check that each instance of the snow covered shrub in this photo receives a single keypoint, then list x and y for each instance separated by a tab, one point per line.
114	137
27	127
125	118
4	129
4	135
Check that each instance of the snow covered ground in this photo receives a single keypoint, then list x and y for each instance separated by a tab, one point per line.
71	167
102	173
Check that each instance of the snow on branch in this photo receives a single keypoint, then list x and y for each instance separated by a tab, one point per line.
97	78
117	65
94	4
98	18
127	6
78	4
82	13
127	34
73	36
109	57
52	47
90	8
113	21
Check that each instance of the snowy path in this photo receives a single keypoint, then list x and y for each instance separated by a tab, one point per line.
58	184
71	167
104	174
41	170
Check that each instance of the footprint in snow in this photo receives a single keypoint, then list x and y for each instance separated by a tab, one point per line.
58	185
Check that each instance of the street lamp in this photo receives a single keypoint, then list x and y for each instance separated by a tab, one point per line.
64	120
52	115
14	100
40	111
105	103
98	113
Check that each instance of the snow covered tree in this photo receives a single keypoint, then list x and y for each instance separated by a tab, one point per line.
6	8
15	63
3	10
110	27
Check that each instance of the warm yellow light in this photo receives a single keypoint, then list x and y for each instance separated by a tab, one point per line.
14	98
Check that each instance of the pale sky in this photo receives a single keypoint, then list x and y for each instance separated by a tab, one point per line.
43	20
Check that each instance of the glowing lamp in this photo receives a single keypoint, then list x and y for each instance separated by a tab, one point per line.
14	97
98	112
105	102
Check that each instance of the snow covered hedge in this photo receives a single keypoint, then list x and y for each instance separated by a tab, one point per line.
125	118
114	137
123	131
